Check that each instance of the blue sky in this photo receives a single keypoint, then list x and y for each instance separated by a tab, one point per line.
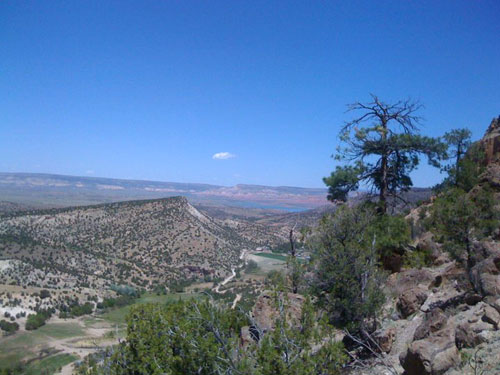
153	89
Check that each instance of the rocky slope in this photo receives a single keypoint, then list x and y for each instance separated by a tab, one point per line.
436	321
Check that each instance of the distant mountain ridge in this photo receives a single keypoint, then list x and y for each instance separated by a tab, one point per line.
52	190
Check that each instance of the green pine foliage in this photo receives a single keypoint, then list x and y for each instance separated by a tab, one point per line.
458	218
466	161
193	337
381	147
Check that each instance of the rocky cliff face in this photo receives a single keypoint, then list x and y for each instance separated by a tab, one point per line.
491	142
491	146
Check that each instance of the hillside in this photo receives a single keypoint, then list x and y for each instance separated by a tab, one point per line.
143	243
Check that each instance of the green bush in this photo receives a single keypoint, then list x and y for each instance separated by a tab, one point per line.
8	327
347	276
79	310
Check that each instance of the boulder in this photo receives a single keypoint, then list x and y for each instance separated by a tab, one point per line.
385	338
408	279
433	355
410	301
433	322
486	275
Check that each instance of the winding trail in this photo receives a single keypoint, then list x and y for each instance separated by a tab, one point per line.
236	300
226	280
243	257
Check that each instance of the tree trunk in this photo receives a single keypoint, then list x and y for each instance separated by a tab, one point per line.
292	244
384	186
470	264
457	165
295	286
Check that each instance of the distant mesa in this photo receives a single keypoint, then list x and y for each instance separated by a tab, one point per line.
48	190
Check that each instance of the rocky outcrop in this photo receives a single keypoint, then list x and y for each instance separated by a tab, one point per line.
265	310
491	142
444	311
491	147
486	273
409	279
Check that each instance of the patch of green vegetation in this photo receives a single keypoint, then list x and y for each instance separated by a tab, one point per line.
251	267
20	347
37	320
61	330
10	361
118	315
272	256
49	365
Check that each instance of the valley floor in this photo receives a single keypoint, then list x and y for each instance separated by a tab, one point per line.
57	345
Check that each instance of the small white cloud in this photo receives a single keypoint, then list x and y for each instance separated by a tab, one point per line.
90	171
223	156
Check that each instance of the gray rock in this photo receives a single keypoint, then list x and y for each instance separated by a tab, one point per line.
433	355
469	335
433	322
491	316
486	273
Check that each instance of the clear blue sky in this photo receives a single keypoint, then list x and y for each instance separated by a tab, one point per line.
153	89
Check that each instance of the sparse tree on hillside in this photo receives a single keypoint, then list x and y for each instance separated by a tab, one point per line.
466	166
458	218
384	147
295	268
458	141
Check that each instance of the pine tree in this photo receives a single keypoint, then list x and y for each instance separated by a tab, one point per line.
383	146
